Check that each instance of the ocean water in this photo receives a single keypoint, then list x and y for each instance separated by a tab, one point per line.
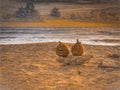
93	36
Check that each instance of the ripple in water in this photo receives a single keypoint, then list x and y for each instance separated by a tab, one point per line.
93	36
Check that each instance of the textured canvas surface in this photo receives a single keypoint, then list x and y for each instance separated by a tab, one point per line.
32	59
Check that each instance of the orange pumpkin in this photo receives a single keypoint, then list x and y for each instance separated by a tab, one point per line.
62	50
77	49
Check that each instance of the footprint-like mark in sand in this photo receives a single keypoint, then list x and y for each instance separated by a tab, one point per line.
30	68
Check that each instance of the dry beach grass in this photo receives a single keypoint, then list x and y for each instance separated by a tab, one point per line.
34	67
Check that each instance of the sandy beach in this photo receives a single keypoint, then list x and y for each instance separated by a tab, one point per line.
34	67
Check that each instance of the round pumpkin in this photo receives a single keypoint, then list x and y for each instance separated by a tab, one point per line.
77	49
62	50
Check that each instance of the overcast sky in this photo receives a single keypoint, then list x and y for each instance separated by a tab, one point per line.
82	1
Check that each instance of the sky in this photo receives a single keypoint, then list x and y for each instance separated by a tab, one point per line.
77	1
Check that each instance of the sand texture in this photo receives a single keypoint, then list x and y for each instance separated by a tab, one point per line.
35	67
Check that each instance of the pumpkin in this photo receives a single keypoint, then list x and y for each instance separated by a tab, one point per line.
77	49
62	50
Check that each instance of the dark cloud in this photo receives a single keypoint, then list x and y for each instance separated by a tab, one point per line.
75	1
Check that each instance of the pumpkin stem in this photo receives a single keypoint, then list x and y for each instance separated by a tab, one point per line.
77	40
59	41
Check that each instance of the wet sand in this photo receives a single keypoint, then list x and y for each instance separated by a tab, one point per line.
34	67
